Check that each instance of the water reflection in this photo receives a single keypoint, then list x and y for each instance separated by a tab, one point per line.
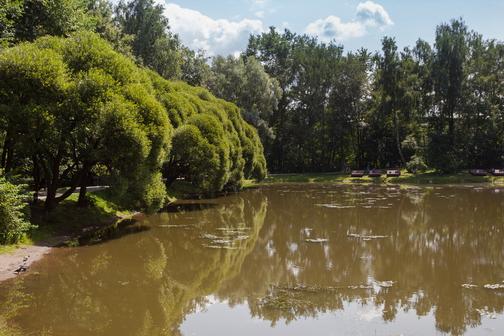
438	240
284	253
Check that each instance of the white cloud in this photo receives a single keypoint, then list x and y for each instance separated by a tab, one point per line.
333	28
369	15
373	14
216	37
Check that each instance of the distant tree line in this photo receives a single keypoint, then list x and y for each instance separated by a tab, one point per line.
440	106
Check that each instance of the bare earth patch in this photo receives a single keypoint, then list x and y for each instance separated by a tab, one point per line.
18	261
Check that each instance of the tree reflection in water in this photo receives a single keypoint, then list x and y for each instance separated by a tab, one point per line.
432	241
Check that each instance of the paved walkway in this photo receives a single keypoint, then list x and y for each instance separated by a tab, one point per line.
42	193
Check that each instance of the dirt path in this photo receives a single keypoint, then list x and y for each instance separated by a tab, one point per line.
17	262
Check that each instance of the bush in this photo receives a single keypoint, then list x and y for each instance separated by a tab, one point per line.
416	164
13	213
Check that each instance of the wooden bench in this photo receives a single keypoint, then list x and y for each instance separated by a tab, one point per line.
393	173
497	172
375	173
357	173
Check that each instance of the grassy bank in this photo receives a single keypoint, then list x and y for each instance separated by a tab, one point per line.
430	177
69	220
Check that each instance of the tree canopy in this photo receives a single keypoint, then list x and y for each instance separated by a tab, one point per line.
71	105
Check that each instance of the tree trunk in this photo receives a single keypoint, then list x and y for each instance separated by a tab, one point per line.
4	150
398	140
82	202
83	188
9	156
52	184
50	202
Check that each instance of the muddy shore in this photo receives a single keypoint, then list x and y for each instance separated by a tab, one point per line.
20	260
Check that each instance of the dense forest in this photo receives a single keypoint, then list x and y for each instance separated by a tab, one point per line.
438	106
94	89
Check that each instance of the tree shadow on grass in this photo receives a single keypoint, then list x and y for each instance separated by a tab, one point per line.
72	225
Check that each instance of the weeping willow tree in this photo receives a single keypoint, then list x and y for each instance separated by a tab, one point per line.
213	147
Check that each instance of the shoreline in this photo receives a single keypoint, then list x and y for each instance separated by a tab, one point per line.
427	178
19	261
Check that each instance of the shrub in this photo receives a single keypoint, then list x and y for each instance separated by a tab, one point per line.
416	164
13	213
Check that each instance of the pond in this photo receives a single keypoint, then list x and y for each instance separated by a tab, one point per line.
292	259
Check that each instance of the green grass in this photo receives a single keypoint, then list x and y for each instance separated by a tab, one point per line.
7	248
430	177
433	177
68	219
26	240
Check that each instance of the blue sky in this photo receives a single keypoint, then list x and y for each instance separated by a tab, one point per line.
223	27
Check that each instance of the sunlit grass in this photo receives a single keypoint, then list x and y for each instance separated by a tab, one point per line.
26	240
429	177
7	249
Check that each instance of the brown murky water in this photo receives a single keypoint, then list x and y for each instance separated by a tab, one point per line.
283	260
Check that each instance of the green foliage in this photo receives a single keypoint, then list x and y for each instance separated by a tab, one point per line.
213	147
10	10
195	70
13	213
440	105
101	12
78	103
442	154
416	164
69	105
152	42
195	158
246	83
26	20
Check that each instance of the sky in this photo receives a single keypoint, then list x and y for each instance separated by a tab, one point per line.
222	27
